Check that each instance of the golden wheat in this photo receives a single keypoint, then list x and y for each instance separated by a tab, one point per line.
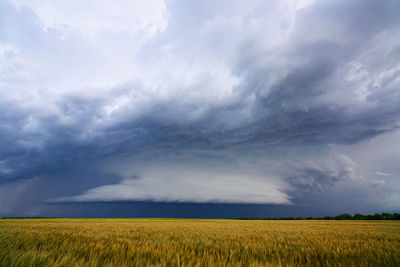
154	242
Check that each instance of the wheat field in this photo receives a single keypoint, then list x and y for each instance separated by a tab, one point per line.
180	242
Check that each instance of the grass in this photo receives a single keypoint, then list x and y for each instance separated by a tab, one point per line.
154	242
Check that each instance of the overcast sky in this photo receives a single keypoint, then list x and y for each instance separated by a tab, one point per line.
199	108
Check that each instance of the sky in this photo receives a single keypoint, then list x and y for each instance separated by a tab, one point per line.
208	109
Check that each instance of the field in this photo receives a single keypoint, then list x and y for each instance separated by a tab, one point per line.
170	242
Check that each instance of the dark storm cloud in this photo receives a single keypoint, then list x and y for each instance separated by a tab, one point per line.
301	106
324	74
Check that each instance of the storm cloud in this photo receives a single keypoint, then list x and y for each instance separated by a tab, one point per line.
263	102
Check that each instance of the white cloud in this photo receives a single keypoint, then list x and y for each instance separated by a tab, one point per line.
303	3
94	17
378	159
384	174
90	49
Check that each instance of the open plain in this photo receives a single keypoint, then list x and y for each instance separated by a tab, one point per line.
181	242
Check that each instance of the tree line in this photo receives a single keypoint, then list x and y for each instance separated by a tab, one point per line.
344	216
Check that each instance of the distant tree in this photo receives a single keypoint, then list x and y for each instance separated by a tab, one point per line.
376	216
344	216
396	216
358	216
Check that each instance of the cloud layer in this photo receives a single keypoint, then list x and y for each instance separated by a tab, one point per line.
263	102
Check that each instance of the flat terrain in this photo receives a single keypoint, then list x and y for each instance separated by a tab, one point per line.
170	242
